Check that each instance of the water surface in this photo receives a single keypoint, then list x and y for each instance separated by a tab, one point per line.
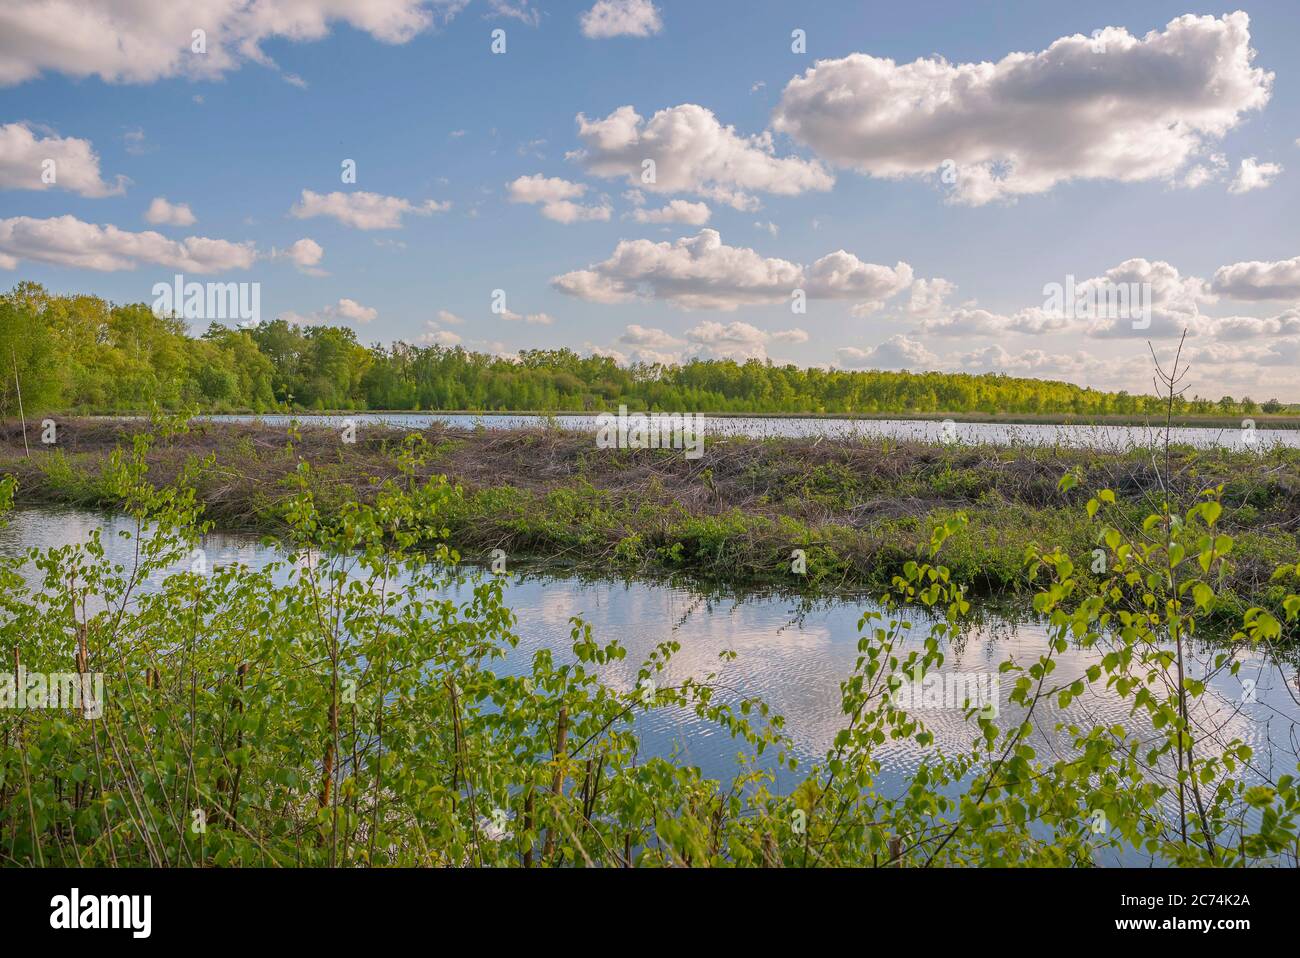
1109	437
791	651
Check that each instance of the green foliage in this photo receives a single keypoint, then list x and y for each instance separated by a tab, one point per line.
79	353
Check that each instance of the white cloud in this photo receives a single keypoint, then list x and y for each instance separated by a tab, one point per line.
351	309
532	319
841	275
433	335
693	153
1256	280
897	352
345	310
440	337
68	241
511	9
556	197
305	254
1114	107
974	321
1236	328
449	318
1175	300
635	335
1248	359
1254	175
1212	169
145	40
621	18
26	157
677	211
1139	298
362	210
928	296
737	340
701	272
161	212
1033	362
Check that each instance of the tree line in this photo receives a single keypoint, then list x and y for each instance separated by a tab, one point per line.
79	353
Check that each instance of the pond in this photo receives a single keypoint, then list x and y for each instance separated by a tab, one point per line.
790	650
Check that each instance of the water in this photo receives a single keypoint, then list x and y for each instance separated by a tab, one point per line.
1109	437
791	651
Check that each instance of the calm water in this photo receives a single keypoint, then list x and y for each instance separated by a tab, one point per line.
791	652
1093	437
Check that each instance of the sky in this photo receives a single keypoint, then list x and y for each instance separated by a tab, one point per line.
841	184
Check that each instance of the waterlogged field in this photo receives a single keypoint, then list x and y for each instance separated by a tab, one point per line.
347	696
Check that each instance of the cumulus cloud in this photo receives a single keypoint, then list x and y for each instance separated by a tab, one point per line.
651	338
305	254
1254	175
1139	298
439	337
621	18
556	197
1113	106
68	241
928	296
738	340
677	211
701	272
1230	328
435	335
1175	300
697	272
1175	304
1255	280
897	352
345	310
841	275
362	210
1249	359
161	212
29	161
147	40
692	152
1033	362
975	321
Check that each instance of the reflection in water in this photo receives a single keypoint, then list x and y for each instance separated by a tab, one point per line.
1111	437
790	651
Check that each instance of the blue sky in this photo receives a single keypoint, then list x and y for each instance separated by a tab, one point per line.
1169	158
